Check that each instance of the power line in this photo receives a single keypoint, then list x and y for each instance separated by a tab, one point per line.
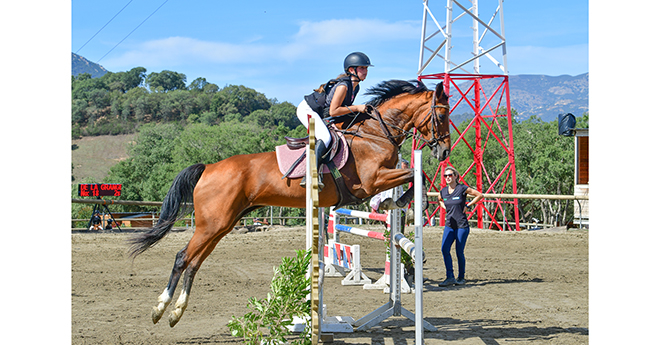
132	31
106	24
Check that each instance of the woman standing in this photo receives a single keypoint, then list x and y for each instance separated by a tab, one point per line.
333	99
453	200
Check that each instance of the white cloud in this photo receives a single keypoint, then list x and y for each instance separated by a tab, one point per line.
310	38
350	31
289	67
184	50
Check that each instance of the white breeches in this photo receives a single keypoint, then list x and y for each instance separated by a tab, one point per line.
322	132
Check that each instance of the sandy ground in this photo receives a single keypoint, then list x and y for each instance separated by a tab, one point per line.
529	287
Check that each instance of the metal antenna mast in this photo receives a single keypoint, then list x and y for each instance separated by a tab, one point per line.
433	41
485	89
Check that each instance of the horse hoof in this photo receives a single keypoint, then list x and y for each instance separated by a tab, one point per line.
174	318
387	204
156	315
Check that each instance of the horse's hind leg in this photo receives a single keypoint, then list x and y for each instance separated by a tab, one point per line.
182	302
166	297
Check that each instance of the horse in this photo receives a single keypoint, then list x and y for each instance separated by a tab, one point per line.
223	192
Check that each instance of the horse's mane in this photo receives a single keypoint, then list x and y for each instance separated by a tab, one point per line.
389	89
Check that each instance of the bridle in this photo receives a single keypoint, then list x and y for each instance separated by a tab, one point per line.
435	121
432	115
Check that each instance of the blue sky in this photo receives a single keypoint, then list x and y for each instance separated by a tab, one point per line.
286	48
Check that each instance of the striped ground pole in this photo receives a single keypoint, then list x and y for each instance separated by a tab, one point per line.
361	214
360	232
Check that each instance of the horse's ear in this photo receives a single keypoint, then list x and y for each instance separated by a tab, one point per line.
441	96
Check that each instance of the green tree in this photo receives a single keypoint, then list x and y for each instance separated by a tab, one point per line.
166	81
283	114
202	103
176	105
149	171
83	84
544	165
198	84
113	81
241	100
134	78
78	111
210	88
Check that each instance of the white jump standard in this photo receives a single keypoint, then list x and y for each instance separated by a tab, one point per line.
393	306
320	322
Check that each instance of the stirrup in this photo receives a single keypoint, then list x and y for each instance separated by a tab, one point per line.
296	143
303	182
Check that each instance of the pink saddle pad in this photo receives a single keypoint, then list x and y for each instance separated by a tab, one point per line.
286	158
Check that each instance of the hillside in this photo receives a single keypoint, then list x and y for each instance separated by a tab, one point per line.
81	65
93	157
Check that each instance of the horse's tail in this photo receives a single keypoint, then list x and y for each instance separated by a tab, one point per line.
178	202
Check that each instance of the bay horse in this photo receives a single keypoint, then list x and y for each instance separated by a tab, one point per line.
225	191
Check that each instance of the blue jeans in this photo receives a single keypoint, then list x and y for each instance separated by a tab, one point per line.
448	237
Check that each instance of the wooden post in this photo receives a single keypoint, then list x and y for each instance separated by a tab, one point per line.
313	202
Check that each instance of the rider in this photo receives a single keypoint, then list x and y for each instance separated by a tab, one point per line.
333	99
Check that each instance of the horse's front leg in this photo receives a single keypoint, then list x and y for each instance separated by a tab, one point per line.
407	197
390	178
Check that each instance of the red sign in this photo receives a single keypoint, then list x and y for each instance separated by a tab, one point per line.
99	189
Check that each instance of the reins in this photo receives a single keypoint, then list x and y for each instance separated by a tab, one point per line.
432	115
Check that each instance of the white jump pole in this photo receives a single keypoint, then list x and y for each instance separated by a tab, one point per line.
420	324
393	307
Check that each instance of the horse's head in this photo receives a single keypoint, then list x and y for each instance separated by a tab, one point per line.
407	105
435	124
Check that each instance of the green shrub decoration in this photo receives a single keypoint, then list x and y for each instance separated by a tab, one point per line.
267	322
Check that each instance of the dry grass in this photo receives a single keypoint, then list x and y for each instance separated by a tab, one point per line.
95	156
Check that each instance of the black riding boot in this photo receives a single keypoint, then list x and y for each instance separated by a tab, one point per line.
320	151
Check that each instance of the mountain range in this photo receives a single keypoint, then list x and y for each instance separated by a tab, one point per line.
530	94
81	65
540	95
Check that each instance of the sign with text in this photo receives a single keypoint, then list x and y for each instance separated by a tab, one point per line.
99	189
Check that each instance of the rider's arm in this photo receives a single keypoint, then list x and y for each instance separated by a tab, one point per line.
337	109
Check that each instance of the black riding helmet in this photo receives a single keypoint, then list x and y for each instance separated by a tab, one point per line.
356	59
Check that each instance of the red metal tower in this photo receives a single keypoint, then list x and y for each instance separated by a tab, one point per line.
487	96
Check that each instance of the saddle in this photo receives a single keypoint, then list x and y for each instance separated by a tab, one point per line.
292	158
